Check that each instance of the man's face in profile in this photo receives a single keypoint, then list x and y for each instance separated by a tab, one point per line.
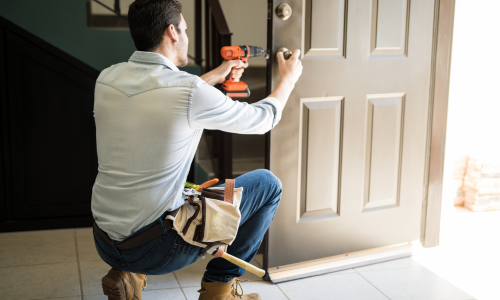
182	46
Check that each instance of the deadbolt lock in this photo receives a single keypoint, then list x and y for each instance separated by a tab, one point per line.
284	11
286	53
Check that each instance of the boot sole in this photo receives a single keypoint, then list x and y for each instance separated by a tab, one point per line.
112	286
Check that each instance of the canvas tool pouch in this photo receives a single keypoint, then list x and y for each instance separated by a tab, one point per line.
204	221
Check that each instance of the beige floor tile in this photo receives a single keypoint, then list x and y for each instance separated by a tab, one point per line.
348	286
191	275
85	245
91	274
158	282
37	247
40	281
191	293
407	262
416	283
168	294
95	297
165	294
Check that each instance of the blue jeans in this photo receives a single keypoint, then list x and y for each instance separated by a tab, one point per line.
169	252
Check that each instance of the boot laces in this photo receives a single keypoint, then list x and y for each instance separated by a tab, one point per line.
234	288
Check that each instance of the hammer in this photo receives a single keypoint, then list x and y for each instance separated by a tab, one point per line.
220	252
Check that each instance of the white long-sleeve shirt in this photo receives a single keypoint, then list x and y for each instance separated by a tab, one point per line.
149	119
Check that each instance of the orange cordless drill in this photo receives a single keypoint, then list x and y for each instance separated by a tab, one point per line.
230	87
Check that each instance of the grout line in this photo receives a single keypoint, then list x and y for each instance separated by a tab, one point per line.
177	280
373	285
183	294
182	290
281	291
78	264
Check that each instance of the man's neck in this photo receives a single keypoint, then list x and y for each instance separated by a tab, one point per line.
168	53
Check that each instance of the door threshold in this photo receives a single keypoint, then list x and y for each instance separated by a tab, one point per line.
342	262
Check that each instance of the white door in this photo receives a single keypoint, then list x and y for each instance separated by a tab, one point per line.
350	149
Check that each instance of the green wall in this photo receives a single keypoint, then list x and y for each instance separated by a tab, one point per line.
63	23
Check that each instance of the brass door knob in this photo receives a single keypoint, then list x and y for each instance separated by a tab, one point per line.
284	11
286	53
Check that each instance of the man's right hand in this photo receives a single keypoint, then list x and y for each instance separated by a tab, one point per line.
291	69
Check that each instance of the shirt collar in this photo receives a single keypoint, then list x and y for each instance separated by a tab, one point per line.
152	58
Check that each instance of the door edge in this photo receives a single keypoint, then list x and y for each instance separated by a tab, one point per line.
437	120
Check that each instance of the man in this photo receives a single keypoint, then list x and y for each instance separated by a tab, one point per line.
149	119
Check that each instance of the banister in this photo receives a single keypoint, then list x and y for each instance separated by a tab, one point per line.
220	19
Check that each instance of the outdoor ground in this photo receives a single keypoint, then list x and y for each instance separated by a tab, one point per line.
63	264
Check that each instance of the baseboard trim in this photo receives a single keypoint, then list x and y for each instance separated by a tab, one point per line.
342	262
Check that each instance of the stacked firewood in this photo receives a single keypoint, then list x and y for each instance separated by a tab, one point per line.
478	184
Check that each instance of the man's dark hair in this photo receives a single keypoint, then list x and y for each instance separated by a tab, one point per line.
148	20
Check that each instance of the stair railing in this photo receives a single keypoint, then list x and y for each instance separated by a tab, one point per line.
217	35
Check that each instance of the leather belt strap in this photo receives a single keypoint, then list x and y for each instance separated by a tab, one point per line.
140	239
229	191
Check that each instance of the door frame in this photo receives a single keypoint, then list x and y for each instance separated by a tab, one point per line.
444	14
444	17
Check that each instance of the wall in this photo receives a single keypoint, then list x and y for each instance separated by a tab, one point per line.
246	19
248	22
63	24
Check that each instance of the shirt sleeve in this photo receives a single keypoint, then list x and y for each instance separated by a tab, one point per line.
211	109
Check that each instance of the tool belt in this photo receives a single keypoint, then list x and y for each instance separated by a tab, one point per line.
211	217
208	220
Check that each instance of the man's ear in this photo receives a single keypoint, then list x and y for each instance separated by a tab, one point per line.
172	33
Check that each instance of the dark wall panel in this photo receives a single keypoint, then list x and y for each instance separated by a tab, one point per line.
48	150
3	131
53	134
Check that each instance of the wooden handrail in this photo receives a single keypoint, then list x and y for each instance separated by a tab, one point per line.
220	19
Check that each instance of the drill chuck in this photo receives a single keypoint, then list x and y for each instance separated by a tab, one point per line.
255	51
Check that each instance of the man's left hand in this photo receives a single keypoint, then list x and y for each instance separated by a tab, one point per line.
219	74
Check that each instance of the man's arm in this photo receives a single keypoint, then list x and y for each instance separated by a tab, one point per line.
211	109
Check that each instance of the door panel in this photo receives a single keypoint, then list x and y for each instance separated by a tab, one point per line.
389	25
317	166
350	148
325	39
383	155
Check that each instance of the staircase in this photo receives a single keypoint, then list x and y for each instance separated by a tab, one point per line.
248	150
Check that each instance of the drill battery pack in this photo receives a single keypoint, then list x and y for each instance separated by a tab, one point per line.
236	90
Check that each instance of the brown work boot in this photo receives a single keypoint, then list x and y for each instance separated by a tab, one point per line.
122	285
224	291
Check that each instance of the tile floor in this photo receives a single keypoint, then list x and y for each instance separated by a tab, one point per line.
69	268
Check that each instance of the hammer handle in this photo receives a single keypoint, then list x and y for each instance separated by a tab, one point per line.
243	264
